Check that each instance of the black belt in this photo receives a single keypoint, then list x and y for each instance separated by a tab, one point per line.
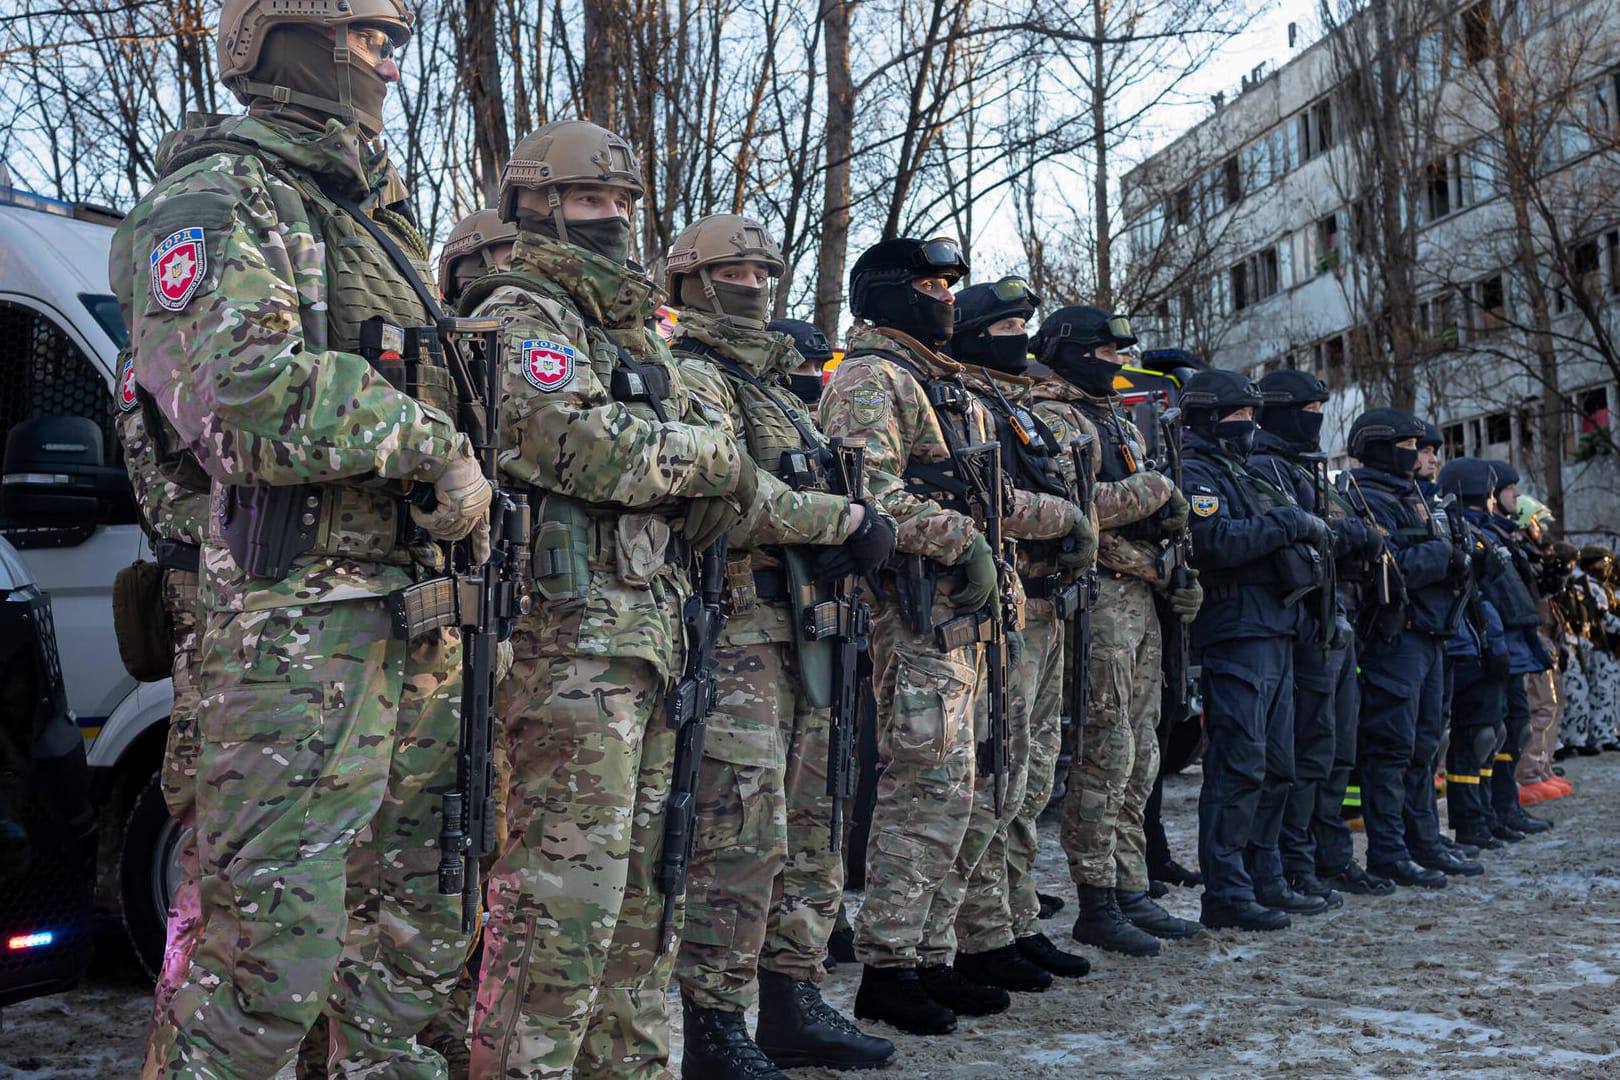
771	585
177	555
1044	588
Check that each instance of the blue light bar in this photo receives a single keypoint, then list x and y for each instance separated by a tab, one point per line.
36	940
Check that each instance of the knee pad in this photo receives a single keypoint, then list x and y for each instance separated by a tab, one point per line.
1482	745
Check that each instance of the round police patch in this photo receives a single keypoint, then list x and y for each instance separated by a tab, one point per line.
127	398
548	365
1204	505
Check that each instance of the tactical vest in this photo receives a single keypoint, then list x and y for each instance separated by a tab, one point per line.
1120	455
359	519
1290	569
952	402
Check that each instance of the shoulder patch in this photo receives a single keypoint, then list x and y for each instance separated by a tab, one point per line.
1204	505
178	264
868	405
127	398
548	365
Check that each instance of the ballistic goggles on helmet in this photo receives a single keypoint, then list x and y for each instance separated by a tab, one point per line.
1010	290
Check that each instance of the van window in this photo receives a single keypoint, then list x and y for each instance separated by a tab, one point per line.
104	309
43	373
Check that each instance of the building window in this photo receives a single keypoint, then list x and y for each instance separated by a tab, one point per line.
1181	207
1327	243
1586	275
1437	318
1327	359
1611	241
1586	424
1477	32
1490	297
1499	429
1314	129
1445	189
1232	176
1456	445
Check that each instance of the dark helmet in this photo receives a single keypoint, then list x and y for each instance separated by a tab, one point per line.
1219	391
1430	437
1290	387
1505	474
1382	425
808	339
1594	553
901	260
977	306
1470	479
1286	393
1565	551
1087	327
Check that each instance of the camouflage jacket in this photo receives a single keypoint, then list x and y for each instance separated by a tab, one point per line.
566	314
1034	560
224	285
780	515
168	510
1117	503
874	398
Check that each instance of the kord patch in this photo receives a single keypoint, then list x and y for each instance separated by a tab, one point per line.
548	365
178	266
126	385
1205	505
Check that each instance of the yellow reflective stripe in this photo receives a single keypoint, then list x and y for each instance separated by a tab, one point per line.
1504	757
1487	772
1458	778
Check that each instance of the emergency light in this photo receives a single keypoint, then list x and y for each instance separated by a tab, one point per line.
36	940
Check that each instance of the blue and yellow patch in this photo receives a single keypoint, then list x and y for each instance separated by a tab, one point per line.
1205	505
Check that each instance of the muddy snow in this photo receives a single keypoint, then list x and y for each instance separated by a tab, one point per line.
1509	975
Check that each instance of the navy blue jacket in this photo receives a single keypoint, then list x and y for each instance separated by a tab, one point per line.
1508	588
1425	561
1235	540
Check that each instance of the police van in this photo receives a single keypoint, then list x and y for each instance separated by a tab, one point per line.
67	507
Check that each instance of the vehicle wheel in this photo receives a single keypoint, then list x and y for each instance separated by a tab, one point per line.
148	873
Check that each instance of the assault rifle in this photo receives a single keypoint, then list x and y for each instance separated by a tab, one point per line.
1172	567
686	712
1328	598
483	600
1082	452
1386	616
980	465
848	621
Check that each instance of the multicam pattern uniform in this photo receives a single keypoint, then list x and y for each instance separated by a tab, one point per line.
572	983
926	699
324	742
1112	776
986	919
172	512
750	817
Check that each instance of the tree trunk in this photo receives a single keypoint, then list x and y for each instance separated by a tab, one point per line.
599	66
840	150
484	94
1099	140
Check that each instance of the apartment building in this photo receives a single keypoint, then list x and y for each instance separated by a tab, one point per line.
1259	240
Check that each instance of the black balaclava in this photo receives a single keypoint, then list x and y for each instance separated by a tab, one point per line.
1295	425
1008	353
608	237
1080	365
807	388
300	58
1387	457
900	306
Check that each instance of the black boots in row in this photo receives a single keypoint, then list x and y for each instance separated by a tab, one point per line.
796	1029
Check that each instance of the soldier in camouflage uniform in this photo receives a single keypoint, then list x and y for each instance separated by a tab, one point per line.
245	276
481	243
626	479
998	926
919	855
763	794
174	519
1112	775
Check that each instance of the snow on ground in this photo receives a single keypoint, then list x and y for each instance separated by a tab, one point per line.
1503	977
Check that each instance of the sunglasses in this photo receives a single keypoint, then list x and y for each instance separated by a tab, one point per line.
375	43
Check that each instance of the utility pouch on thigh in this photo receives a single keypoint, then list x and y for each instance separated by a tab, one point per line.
639	551
560	553
962	631
141	622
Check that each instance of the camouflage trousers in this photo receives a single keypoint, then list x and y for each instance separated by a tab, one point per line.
325	746
978	885
1113	774
925	715
572	982
177	779
1044	638
764	887
1545	694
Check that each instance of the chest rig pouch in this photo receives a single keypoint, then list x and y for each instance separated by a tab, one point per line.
1121	455
1292	571
369	283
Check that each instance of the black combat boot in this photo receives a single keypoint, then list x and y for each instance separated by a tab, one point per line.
1173	873
1243	915
961	994
1358	882
1447	863
1506	835
1102	924
1004	967
1408	873
1481	841
896	997
1144	914
1050	905
1311	885
1279	897
718	1047
841	946
1519	820
1039	950
798	1029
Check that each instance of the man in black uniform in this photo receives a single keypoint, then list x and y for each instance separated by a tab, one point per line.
1257	552
1403	662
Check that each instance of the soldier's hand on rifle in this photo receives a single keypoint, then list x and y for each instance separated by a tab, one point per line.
867	548
1303	527
1355	539
1081	550
979	562
461	506
1186	601
707	518
1173	514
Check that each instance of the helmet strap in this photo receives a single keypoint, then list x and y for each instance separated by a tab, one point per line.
554	201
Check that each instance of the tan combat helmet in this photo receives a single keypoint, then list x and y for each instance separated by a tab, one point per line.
243	25
562	153
469	254
718	238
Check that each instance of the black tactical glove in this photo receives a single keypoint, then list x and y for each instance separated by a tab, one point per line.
1080	551
867	548
1303	528
1461	563
1350	537
979	562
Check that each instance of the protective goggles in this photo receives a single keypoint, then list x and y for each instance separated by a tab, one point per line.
1120	327
373	43
943	255
1013	289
